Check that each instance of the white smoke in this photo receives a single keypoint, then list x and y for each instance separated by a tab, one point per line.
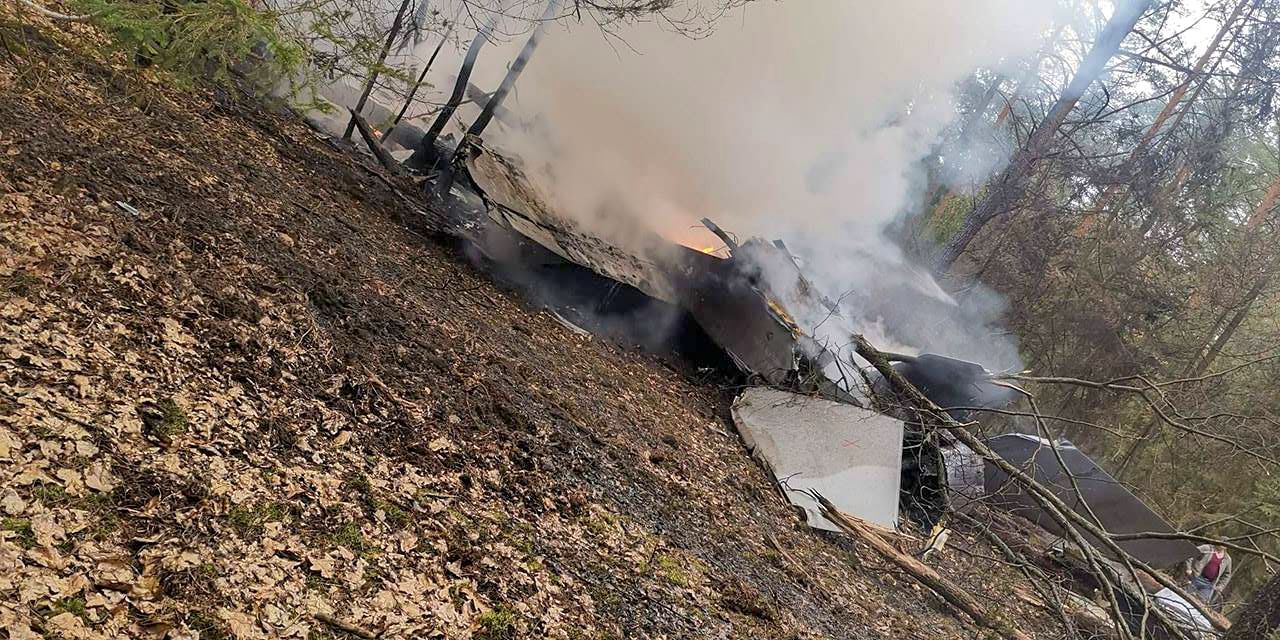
805	120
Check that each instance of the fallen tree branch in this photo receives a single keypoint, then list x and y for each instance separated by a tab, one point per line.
380	152
1043	430
1195	538
54	15
1071	522
1039	580
346	627
924	574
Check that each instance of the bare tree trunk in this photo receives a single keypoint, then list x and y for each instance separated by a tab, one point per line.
513	73
373	75
1205	359
414	91
938	204
1261	617
1008	188
426	149
1112	193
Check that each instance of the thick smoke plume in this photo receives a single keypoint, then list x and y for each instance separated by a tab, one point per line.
806	120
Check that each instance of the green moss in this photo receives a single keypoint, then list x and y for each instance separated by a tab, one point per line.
74	606
104	523
207	625
358	483
668	567
26	538
349	536
316	582
251	520
20	284
496	624
50	495
600	523
173	420
397	518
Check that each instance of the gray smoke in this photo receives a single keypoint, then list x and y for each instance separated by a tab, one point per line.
805	120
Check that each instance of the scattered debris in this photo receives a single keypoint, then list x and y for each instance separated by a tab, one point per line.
735	300
1119	511
849	454
1185	612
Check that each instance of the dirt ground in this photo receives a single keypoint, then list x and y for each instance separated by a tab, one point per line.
238	389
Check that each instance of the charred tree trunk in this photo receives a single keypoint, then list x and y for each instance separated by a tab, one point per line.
376	71
1261	617
425	153
384	158
513	73
1008	188
414	91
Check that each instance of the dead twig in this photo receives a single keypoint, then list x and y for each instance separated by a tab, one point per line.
1040	581
54	15
346	627
1067	518
1145	392
1160	535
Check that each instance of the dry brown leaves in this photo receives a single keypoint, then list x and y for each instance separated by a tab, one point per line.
227	412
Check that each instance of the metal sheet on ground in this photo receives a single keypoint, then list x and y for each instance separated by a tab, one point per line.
1119	510
850	455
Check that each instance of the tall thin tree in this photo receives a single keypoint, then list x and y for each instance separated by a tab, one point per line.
424	155
376	70
1007	189
1112	196
513	73
416	85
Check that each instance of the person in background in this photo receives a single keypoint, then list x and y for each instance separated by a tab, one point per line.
1210	572
937	539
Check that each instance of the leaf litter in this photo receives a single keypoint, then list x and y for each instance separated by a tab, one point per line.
259	393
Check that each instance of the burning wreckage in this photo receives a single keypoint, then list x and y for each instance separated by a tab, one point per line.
829	431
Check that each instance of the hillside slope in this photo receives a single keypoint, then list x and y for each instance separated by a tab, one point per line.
236	390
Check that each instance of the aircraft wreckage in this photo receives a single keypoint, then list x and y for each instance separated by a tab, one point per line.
810	420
